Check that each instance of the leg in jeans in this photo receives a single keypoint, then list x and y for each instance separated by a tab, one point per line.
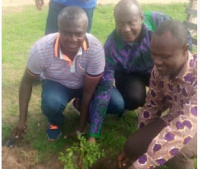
52	18
89	13
132	89
116	103
184	159
55	97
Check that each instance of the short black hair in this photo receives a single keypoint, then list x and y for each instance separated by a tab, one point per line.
177	29
121	5
72	12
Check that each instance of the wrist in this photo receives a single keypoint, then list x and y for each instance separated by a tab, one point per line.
22	123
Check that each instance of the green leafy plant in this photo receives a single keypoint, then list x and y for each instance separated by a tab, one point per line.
81	155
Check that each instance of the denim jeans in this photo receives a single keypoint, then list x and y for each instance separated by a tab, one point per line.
52	18
116	104
55	97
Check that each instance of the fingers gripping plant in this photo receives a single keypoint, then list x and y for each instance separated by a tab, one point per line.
81	155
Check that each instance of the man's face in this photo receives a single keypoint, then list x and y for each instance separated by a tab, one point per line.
167	54
72	34
128	25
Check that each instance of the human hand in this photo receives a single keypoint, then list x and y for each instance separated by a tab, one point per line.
123	160
92	140
39	4
19	131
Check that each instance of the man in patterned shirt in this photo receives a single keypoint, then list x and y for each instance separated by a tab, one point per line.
128	63
70	64
168	122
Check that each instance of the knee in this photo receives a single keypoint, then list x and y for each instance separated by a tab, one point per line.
116	106
52	105
133	101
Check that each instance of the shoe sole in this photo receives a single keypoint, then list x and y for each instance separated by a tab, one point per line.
57	138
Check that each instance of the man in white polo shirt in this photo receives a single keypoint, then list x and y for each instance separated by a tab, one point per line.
70	64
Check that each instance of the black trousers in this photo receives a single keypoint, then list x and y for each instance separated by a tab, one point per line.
132	88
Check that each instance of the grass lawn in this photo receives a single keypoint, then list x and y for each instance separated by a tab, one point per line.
21	27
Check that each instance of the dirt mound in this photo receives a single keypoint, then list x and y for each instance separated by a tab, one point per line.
15	158
25	158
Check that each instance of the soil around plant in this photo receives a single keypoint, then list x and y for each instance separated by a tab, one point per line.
25	158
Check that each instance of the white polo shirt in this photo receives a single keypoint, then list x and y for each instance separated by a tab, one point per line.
46	59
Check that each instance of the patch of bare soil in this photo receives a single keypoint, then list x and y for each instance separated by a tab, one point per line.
25	158
18	158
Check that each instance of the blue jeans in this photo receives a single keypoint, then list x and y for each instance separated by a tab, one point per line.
116	104
55	97
52	18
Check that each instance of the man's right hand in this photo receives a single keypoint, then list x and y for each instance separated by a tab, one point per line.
19	131
39	4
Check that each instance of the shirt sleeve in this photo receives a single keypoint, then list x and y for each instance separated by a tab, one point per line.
35	62
96	64
159	17
155	104
172	138
99	103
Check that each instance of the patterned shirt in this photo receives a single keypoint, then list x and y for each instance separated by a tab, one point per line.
47	60
121	56
179	97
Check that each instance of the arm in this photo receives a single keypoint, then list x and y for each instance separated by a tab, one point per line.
31	75
39	4
178	132
88	91
24	97
155	104
99	103
172	138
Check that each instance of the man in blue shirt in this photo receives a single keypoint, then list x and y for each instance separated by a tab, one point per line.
55	6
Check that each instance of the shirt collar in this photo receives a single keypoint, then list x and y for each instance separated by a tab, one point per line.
57	50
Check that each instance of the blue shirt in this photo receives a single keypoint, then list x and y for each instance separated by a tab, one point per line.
80	3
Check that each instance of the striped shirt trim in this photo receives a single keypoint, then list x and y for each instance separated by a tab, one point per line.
94	76
31	73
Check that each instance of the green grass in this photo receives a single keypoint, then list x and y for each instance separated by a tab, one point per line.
20	29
